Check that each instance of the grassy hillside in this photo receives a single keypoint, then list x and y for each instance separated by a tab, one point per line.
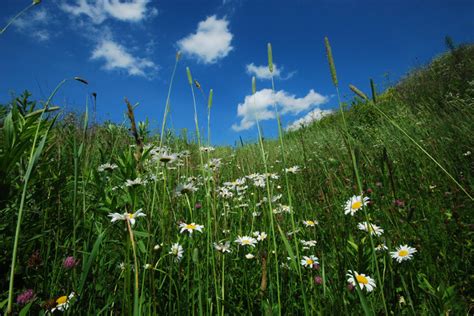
406	152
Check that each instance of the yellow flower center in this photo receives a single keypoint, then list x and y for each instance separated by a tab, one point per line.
245	242
362	279
309	261
403	253
310	223
61	300
356	205
191	226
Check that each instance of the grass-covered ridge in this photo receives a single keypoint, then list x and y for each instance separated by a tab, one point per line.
275	236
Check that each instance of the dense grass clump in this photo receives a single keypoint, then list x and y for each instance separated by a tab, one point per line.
368	210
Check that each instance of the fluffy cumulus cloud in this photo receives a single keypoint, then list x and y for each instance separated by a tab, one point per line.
100	10
116	57
211	42
314	115
261	106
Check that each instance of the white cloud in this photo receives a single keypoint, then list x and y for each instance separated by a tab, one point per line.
100	10
116	57
211	42
261	106
262	72
314	115
35	24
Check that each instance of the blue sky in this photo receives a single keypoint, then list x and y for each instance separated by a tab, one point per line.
127	49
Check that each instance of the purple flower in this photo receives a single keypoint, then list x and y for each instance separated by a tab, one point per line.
25	297
70	262
318	280
198	206
399	203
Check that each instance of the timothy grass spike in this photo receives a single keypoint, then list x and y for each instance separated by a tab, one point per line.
358	92
190	78
332	66
209	100
270	57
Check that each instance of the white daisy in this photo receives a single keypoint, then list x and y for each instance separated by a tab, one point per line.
310	223
308	244
363	280
355	203
381	247
260	235
403	253
223	247
310	261
127	216
190	227
63	302
136	182
371	228
207	149
177	250
293	170
246	241
107	167
186	188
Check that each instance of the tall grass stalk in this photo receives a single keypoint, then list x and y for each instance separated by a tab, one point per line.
287	183
167	106
332	68
35	2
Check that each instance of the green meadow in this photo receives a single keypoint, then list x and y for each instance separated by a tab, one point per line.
367	211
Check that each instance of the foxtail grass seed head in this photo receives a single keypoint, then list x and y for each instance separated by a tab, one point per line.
270	57
35	2
209	100
254	85
332	66
358	92
178	55
190	78
84	81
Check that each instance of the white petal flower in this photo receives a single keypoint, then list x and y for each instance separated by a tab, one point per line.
177	251
246	241
310	261
364	281
371	228
355	203
403	253
126	216
190	227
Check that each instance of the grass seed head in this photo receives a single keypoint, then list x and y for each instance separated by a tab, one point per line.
190	78
209	100
270	57
332	66
358	92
